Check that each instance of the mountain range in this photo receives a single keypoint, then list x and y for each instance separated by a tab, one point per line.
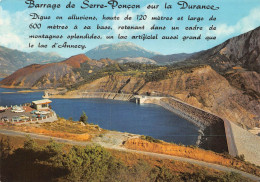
49	75
12	60
124	52
241	51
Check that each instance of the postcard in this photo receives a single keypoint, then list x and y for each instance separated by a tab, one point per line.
117	90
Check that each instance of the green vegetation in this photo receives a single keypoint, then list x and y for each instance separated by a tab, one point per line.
150	139
148	72
56	162
83	118
240	157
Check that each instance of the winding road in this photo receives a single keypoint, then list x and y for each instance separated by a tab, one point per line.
116	147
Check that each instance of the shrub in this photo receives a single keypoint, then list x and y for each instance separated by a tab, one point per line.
83	118
240	157
88	164
150	139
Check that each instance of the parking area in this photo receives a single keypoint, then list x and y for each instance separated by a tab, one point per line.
18	114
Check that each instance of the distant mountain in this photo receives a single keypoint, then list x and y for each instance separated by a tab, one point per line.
12	60
119	50
241	51
50	75
169	59
136	60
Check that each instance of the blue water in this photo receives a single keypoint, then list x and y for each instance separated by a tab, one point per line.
147	119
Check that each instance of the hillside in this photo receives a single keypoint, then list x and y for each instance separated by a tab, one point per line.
12	60
136	60
53	74
119	50
241	51
237	59
170	59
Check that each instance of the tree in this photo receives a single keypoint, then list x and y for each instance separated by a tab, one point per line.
87	164
83	118
5	148
29	143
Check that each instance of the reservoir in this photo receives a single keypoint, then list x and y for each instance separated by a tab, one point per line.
146	119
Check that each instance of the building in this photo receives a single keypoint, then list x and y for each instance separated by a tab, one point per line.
41	104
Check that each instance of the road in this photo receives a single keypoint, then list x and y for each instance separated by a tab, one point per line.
116	147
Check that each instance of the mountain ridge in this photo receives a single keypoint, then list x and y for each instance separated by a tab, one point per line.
12	59
119	50
52	74
240	51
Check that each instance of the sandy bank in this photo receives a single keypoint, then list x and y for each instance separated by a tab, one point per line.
102	95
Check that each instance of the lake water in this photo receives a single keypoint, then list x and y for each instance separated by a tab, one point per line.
146	119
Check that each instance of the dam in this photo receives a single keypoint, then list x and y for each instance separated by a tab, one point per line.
217	134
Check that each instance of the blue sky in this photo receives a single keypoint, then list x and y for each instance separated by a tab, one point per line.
233	18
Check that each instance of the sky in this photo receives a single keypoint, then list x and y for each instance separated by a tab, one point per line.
233	18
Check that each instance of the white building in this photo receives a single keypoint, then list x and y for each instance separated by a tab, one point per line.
41	104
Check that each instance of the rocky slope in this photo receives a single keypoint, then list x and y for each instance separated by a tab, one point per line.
53	74
206	89
12	60
119	50
246	81
242	51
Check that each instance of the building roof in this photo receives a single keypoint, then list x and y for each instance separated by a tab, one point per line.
43	101
2	108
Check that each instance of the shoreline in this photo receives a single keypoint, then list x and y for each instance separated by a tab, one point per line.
95	95
129	97
22	91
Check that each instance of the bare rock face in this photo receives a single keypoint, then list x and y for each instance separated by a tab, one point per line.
247	81
242	50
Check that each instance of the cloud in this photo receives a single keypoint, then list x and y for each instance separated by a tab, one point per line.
243	25
148	23
14	29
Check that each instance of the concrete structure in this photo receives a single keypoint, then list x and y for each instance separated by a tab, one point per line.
142	99
41	104
49	118
242	142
